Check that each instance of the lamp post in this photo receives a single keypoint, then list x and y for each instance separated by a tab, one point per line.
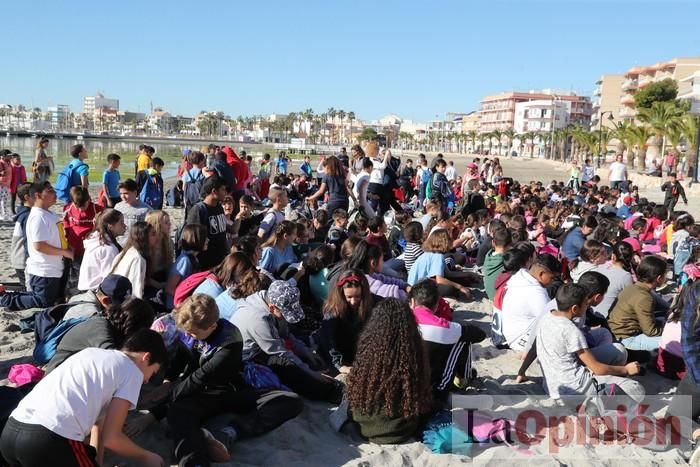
600	133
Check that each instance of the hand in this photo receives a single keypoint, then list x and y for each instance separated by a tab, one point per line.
68	253
137	425
465	291
345	369
633	368
151	459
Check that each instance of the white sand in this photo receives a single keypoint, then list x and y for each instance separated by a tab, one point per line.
308	439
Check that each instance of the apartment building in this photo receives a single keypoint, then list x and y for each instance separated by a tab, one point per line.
678	69
498	112
92	103
606	98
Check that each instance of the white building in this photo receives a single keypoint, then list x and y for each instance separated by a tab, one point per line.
99	101
540	114
59	116
689	88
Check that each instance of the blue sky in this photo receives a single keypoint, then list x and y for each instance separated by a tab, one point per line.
417	59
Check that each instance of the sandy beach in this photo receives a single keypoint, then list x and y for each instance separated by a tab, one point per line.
308	440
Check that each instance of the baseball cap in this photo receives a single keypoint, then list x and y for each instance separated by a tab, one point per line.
285	296
116	287
627	200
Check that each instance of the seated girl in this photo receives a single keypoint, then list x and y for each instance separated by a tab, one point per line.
592	255
193	240
161	255
344	315
101	247
397	412
369	259
431	264
132	262
277	252
316	265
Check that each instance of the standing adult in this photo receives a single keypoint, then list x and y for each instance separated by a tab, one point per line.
358	154
406	179
46	246
344	159
450	172
335	183
618	173
377	184
670	162
43	164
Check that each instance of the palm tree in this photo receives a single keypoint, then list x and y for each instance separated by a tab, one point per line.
621	134
341	134
471	136
638	136
332	113
662	118
351	117
509	135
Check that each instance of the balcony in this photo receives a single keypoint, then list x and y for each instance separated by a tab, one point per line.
596	105
629	84
627	112
597	91
627	99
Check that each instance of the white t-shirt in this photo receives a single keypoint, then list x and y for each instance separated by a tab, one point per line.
70	399
617	172
132	266
450	172
558	340
524	301
42	227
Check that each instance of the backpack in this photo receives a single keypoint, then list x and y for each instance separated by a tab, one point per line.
497	337
152	192
67	179
49	328
185	288
193	189
425	176
429	186
683	254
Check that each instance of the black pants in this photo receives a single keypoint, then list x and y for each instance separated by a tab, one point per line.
250	412
33	445
679	405
445	290
670	205
328	390
13	201
386	198
21	278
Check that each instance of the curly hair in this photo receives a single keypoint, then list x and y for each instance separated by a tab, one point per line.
391	373
128	317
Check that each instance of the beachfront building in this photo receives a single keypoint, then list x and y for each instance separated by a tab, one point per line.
498	112
59	117
689	88
606	100
92	103
541	115
637	78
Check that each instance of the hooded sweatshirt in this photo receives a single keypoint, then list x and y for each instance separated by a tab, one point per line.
18	247
97	262
386	286
523	302
262	333
240	169
493	266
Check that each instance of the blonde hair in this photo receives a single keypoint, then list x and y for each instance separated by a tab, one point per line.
438	242
163	254
275	193
502	207
197	311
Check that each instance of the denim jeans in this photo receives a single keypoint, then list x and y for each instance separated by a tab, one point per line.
44	292
641	342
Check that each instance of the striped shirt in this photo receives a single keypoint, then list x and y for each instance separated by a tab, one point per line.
411	254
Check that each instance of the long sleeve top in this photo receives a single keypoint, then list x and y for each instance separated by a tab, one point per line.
633	313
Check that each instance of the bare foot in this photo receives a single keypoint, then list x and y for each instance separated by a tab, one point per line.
520	379
215	448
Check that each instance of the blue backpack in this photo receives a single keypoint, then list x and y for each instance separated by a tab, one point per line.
49	328
193	188
67	179
683	254
152	192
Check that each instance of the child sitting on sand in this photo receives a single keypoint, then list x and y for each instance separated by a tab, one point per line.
98	388
568	365
193	240
101	247
448	344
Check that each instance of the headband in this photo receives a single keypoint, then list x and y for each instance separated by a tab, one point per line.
345	280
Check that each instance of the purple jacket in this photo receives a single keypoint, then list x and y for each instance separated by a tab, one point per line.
385	286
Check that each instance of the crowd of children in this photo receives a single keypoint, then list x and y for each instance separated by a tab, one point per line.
330	286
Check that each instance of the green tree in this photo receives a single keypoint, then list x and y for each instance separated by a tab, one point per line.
662	118
351	117
509	135
368	134
658	91
689	128
638	137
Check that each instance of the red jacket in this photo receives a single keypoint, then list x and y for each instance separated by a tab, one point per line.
78	224
239	167
19	176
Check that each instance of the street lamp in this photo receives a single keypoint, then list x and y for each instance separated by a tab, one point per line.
600	133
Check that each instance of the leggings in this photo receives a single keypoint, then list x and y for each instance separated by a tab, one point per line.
27	445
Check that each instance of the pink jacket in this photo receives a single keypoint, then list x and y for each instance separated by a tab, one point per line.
6	171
